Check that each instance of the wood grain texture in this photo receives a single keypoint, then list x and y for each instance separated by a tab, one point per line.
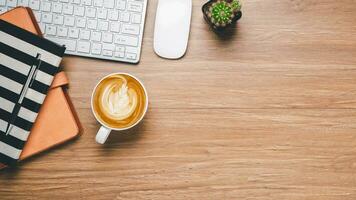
267	112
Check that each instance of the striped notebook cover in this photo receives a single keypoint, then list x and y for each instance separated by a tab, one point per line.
27	66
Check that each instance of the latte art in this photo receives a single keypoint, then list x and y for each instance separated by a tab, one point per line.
119	101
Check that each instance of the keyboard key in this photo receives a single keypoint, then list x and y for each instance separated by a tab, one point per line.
102	13
95	36
34	4
2	2
110	47
135	6
83	47
107	37
113	15
119	54
79	10
50	30
120	48
62	31
96	48
126	40
68	9
57	8
86	2
76	1
107	53
81	22
98	3
131	56
130	29
92	24
69	20
136	18
73	33
109	3
20	3
90	12
121	4
124	16
58	19
55	40
69	44
84	34
131	50
46	18
103	25
115	27
46	6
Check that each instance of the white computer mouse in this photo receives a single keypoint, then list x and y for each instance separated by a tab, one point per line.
172	28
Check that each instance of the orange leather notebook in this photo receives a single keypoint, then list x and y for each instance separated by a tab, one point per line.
57	121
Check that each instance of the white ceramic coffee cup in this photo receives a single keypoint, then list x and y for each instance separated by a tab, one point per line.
104	130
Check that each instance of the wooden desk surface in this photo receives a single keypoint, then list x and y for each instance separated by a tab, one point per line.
268	113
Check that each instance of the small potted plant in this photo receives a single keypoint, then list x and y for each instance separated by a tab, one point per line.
220	14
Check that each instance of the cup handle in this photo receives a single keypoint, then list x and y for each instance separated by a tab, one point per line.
102	135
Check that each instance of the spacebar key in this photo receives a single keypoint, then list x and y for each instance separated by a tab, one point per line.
126	40
70	44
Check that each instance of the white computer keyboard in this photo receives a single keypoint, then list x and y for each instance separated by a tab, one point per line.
105	29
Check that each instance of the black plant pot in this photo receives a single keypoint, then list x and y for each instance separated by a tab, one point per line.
205	8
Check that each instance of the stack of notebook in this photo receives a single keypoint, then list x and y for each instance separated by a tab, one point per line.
29	98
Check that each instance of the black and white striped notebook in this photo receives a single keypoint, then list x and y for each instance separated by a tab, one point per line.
27	66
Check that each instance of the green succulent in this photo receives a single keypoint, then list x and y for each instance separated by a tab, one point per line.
221	12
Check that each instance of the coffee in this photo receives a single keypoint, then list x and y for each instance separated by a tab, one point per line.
119	101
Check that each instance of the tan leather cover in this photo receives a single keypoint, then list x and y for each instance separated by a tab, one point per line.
57	121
